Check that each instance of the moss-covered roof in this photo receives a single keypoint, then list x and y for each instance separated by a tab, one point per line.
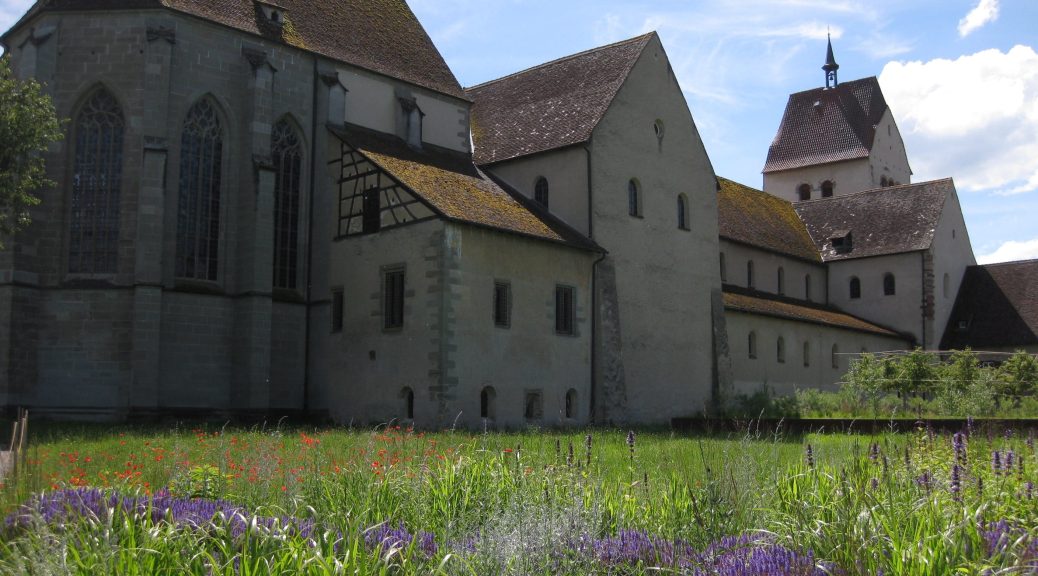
452	185
759	219
753	302
383	36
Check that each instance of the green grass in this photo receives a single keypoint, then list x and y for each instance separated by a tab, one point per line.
516	502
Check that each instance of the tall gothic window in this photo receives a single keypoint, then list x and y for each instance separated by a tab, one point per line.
96	182
287	152
198	208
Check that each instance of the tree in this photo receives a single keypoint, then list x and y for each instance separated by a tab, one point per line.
28	125
1018	376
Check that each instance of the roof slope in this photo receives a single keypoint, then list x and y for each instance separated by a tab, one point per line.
881	221
759	219
383	36
822	126
754	302
549	106
459	191
998	304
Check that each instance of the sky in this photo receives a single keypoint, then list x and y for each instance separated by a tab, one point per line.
960	76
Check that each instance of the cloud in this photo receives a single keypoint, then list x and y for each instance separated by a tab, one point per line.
986	11
1010	251
974	118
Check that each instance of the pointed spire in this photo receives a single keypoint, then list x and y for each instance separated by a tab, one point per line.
830	66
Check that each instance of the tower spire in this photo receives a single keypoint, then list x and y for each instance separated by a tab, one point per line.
830	66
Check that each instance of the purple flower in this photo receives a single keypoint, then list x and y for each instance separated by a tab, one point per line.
387	537
956	482
996	462
959	446
925	480
874	452
810	455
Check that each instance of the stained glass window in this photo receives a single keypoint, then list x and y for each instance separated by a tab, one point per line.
287	152
198	208
96	182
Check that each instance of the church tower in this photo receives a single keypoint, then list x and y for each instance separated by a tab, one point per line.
835	140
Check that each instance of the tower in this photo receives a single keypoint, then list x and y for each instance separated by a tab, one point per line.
830	66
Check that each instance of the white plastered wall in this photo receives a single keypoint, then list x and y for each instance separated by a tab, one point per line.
952	253
765	267
566	172
902	311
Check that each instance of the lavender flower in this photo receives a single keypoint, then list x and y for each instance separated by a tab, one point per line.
956	482
809	453
996	462
925	480
630	441
959	446
587	448
1010	459
874	452
388	537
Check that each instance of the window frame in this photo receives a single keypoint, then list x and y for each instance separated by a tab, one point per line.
394	295
751	345
286	275
683	213
502	311
565	310
828	189
889	284
213	262
533	405
803	192
780	350
634	198
541	191
854	288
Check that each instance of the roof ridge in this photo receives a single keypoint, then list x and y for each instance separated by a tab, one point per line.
875	190
1010	263
824	89
633	40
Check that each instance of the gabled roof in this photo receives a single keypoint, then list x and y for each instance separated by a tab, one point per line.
997	306
753	302
822	126
455	189
549	106
383	36
752	217
883	221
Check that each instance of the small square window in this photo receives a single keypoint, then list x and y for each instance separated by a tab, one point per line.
393	299
337	310
564	310
502	304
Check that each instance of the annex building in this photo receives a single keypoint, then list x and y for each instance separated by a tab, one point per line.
294	207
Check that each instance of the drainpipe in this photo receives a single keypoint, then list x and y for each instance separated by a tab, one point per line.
310	242
594	294
922	288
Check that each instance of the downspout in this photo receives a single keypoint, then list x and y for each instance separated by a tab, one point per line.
594	294
310	243
922	288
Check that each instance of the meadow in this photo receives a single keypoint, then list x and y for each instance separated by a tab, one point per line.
288	500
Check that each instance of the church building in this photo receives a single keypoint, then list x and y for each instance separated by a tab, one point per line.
293	207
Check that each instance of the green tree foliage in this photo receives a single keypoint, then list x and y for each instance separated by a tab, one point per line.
28	125
1018	376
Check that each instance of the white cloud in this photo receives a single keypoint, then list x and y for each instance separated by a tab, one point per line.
1010	251
974	118
985	11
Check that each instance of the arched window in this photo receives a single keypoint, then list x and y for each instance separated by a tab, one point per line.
751	345
96	183
780	350
827	189
836	357
749	274
781	281
571	404
540	191
889	285
724	269
486	402
807	354
634	201
884	182
287	153
682	212
947	285
807	287
804	192
855	288
198	208
407	395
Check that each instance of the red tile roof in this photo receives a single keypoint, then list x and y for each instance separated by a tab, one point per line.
882	221
549	106
822	126
459	191
742	300
383	36
755	218
997	305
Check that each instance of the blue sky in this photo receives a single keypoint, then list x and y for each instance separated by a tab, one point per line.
961	77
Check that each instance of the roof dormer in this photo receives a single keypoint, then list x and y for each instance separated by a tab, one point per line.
273	13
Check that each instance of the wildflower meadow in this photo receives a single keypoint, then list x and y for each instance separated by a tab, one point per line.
279	500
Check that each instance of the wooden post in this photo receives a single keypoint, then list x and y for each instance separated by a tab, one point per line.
23	434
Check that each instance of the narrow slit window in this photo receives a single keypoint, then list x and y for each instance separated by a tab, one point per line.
502	304
393	300
564	310
287	153
540	191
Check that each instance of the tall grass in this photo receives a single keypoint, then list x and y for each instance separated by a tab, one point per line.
598	501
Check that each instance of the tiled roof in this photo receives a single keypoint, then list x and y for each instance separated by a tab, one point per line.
882	221
753	302
821	126
379	35
998	304
457	190
759	219
549	106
